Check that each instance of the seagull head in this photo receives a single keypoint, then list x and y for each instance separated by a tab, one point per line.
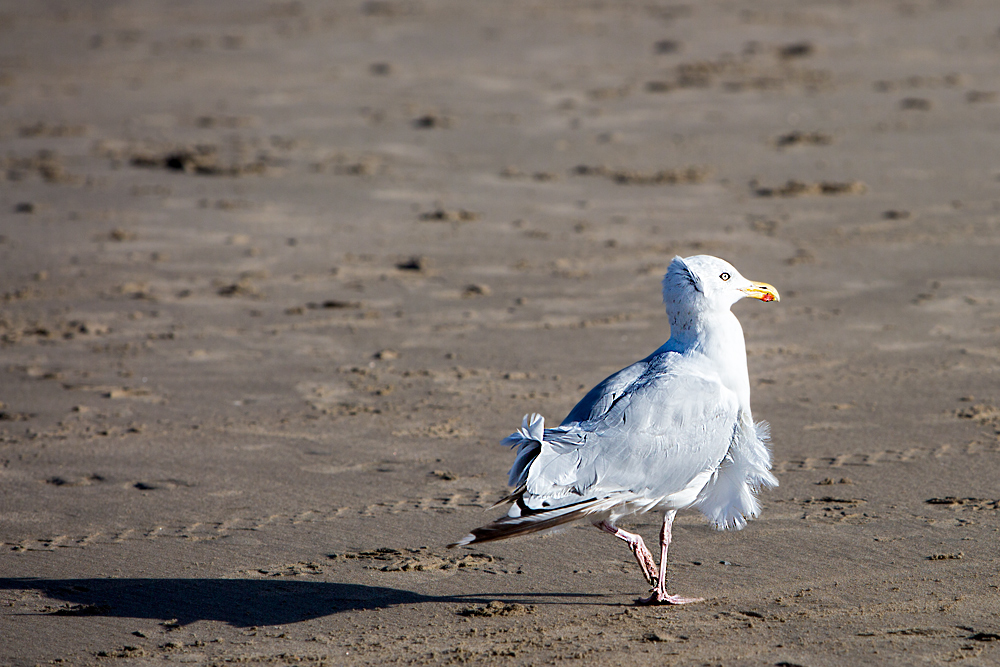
706	283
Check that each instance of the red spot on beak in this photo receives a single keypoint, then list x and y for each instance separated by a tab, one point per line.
767	297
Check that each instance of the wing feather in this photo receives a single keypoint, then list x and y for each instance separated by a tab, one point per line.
655	435
599	400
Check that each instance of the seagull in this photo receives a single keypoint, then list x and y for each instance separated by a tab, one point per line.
669	432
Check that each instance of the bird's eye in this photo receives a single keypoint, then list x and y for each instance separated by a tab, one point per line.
724	276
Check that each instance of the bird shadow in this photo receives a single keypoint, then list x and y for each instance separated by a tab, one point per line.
237	602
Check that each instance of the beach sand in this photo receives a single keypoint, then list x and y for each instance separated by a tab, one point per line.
277	277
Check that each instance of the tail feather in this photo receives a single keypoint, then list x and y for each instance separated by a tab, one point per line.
509	526
510	498
528	441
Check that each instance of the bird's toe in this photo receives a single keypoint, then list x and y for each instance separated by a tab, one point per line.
661	597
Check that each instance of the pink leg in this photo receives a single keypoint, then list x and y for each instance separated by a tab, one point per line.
638	547
660	595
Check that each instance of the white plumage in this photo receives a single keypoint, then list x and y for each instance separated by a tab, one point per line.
671	431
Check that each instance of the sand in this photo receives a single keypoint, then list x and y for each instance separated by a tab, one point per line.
278	276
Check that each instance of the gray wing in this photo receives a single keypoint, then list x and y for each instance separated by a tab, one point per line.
655	435
599	399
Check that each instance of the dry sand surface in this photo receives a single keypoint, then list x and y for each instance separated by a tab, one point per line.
278	276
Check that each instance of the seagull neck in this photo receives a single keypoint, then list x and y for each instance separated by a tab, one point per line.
719	337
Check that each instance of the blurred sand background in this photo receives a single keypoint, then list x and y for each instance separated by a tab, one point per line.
277	277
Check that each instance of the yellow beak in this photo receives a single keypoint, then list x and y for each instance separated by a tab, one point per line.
762	291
